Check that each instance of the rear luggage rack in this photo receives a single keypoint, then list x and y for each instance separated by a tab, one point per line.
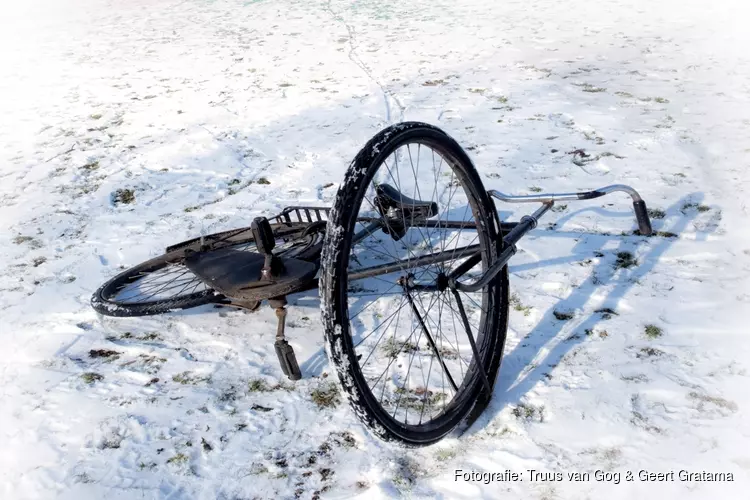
301	215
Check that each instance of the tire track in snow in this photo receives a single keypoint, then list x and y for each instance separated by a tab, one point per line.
357	60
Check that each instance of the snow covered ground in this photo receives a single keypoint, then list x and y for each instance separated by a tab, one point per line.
191	104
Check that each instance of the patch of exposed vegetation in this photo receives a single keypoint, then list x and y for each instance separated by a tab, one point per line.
535	189
563	315
515	301
665	234
145	363
649	352
259	385
90	166
407	472
445	454
188	378
326	395
559	208
123	196
702	399
178	459
38	261
525	411
656	213
625	260
433	83
697	206
606	312
262	180
603	334
150	336
653	331
20	239
418	398
107	354
592	136
587	87
392	347
91	377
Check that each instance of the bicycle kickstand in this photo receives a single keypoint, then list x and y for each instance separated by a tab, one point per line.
284	351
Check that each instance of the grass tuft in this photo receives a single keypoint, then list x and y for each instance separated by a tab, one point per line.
656	213
104	353
258	385
91	377
563	315
715	400
123	196
526	411
606	312
187	378
91	166
515	301
625	260
392	347
326	395
178	459
649	352
653	332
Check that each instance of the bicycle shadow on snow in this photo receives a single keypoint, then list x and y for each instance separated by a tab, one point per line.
517	375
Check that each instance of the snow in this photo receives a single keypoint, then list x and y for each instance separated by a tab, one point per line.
176	100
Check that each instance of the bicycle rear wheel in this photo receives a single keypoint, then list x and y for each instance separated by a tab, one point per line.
404	354
165	284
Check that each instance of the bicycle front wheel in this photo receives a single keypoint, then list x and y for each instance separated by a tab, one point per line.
403	351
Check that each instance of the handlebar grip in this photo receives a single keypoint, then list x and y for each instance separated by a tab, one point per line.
641	215
263	235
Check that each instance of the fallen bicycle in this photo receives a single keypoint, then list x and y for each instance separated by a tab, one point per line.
411	265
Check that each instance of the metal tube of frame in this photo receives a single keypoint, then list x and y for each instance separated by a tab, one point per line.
584	195
425	260
527	223
639	206
366	231
441	224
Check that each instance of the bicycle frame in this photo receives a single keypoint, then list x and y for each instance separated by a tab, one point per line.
511	233
296	219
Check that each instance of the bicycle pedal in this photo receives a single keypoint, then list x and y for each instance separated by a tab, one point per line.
288	360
